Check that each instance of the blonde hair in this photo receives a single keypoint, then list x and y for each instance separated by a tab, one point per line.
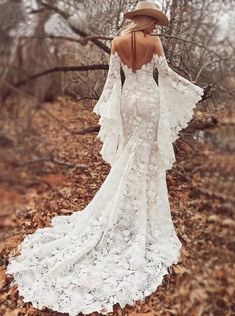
139	23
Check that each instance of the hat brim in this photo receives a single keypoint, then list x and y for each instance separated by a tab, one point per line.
159	15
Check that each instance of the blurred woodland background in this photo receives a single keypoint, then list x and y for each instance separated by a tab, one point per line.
54	58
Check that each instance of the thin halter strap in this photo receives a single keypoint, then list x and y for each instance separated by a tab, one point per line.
133	49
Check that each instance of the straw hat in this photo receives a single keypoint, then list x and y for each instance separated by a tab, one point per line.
150	9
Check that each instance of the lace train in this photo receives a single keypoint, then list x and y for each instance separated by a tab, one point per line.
114	251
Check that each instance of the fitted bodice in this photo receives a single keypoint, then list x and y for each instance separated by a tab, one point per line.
145	71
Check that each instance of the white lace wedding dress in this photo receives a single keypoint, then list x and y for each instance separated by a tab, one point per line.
119	247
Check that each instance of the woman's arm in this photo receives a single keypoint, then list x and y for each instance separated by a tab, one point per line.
178	98
157	46
108	107
113	45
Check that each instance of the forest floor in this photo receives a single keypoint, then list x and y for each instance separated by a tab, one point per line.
65	172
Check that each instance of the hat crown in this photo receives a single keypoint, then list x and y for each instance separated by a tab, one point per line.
146	5
148	8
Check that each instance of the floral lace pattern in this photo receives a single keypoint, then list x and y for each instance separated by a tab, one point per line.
178	98
108	107
118	248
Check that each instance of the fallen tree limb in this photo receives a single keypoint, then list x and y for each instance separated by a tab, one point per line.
55	161
91	129
63	69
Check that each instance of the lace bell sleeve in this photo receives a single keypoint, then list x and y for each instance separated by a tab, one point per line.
108	107
178	98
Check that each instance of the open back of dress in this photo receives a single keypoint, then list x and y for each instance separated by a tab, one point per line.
135	49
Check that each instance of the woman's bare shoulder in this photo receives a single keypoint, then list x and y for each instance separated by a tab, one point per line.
116	40
119	41
119	38
157	45
155	39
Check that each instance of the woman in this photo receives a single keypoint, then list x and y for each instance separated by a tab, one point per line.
119	247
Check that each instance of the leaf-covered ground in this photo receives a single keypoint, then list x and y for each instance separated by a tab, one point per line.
69	171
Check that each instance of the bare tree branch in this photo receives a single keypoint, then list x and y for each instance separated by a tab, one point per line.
61	69
74	28
92	38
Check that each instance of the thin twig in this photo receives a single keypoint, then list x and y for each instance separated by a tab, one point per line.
55	161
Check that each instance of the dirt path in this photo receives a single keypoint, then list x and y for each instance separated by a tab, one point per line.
201	195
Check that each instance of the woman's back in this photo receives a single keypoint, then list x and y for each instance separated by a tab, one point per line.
137	42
